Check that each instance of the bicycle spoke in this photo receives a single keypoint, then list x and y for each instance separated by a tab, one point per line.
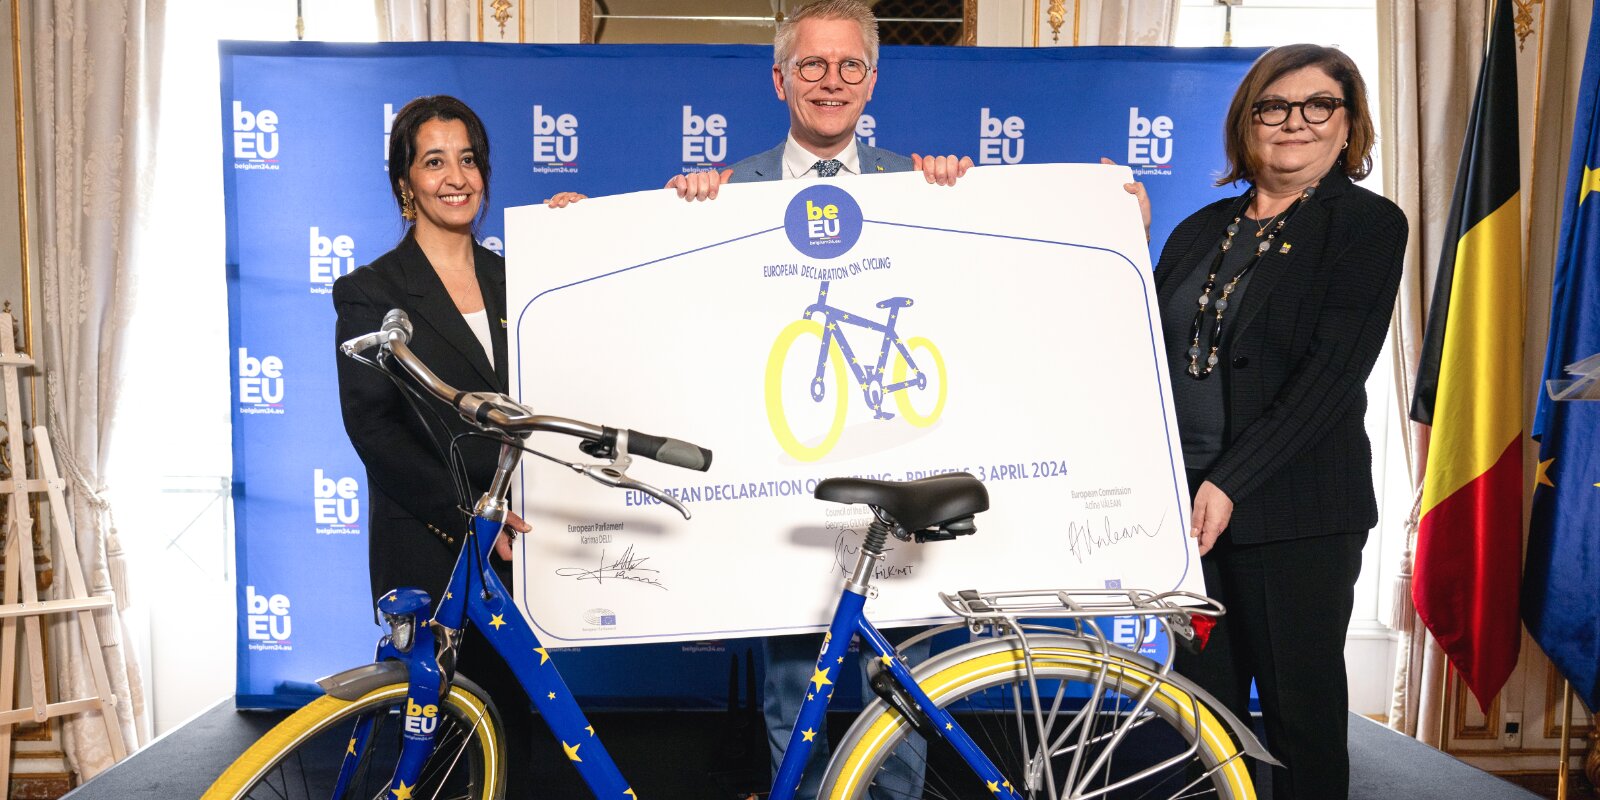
1111	730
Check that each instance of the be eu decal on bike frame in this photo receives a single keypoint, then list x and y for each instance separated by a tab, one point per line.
823	221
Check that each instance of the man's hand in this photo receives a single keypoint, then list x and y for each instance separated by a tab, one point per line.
508	534
699	185
564	199
1212	510
1137	190
943	170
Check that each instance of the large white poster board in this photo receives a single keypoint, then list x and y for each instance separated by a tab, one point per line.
1006	327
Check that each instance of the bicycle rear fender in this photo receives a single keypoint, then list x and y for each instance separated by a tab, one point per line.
1248	743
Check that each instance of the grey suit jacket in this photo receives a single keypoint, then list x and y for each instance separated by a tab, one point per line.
768	166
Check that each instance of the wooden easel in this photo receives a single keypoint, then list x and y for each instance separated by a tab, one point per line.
21	599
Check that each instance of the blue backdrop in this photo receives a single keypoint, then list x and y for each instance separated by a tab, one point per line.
307	200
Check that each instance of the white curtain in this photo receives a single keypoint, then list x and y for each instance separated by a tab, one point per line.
425	20
1125	22
95	72
1430	51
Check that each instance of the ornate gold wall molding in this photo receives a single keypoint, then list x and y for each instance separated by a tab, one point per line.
1522	19
501	20
1463	729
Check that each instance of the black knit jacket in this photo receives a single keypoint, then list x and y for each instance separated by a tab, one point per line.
1296	461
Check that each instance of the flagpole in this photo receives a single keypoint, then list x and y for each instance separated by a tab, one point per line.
1566	740
1445	697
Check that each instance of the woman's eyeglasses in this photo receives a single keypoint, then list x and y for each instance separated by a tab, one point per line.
814	69
1315	111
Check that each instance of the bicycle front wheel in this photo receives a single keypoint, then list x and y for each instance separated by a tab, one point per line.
805	419
301	756
1172	746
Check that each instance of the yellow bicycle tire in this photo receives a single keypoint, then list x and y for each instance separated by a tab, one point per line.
774	392
902	398
874	736
322	714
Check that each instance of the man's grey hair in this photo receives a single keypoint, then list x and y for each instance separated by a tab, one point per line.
855	11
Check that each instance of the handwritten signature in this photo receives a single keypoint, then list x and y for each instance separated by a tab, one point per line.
627	568
1083	540
845	548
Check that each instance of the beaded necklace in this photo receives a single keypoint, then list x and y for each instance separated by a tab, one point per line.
1219	305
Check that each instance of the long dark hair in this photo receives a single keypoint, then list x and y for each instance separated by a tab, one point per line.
403	142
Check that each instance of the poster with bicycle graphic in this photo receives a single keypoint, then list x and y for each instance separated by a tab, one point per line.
873	326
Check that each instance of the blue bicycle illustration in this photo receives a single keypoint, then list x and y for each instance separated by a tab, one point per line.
919	391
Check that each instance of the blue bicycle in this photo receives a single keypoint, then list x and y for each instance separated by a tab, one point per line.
1038	705
919	391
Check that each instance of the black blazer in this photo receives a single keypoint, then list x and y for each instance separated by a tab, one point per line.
1296	461
415	523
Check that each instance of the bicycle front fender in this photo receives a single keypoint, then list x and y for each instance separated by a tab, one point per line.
1248	743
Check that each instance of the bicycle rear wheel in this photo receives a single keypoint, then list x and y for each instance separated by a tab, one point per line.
301	756
1172	747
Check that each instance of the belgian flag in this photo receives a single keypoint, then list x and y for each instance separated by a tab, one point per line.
1469	388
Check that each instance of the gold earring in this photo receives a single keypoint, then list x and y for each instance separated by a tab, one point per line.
408	210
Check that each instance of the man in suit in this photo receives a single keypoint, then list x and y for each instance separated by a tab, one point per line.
824	68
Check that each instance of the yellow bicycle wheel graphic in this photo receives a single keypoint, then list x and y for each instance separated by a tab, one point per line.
920	405
806	422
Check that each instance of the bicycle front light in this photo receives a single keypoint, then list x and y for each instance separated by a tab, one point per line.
399	608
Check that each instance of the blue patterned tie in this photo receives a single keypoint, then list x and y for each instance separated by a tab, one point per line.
827	168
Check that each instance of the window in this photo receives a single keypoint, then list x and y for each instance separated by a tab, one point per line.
944	22
171	463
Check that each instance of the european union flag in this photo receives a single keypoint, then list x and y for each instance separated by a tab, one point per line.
1561	578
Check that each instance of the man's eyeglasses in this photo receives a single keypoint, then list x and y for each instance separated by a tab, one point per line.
851	71
1315	111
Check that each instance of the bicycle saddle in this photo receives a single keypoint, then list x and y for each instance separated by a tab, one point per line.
895	302
925	503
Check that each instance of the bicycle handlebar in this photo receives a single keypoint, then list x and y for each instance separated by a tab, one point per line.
496	411
668	450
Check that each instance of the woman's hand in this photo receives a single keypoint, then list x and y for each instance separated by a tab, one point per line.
1212	510
564	199
1137	190
514	526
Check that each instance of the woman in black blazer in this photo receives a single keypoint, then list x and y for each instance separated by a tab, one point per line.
1275	305
454	291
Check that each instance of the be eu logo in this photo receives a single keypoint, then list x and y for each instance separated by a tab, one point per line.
867	130
255	138
331	258
555	142
335	503
388	127
999	140
421	719
705	139
1149	142
266	622
260	384
823	221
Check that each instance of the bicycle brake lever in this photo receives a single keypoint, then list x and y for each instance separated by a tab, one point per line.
609	475
615	475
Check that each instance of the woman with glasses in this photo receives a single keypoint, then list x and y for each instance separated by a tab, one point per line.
1275	304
